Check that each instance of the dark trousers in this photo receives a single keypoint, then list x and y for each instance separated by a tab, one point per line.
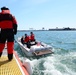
7	35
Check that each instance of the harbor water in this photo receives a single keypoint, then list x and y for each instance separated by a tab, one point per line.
62	62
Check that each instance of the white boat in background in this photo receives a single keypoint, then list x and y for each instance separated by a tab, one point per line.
35	50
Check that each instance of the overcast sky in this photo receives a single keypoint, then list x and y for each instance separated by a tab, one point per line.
42	13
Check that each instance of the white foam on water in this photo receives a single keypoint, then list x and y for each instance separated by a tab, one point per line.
51	64
73	54
52	72
34	62
55	72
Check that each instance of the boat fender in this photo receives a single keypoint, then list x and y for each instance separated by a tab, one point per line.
27	65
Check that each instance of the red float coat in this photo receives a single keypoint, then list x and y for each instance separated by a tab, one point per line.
27	38
32	37
8	25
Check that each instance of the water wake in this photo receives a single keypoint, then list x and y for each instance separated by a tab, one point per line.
55	65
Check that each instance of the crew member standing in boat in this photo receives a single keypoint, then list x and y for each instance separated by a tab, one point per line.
8	25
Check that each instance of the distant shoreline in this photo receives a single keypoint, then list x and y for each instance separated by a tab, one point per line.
55	29
47	30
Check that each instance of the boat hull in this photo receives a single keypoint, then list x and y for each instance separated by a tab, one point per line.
35	50
13	67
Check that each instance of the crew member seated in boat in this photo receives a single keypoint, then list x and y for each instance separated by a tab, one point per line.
27	40
32	38
22	40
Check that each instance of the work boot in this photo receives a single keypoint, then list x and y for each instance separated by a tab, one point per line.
0	54
10	57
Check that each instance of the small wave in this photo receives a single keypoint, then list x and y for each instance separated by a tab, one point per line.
55	65
52	72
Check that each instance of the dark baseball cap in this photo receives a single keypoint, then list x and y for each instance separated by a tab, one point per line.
4	8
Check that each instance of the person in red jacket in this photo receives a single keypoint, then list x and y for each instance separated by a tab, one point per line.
32	37
8	25
27	40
